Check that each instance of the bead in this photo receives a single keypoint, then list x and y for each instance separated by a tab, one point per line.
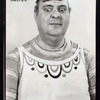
75	67
45	75
32	68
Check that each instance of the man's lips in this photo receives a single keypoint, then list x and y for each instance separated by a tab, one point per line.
55	24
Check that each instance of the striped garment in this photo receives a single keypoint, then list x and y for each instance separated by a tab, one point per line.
13	68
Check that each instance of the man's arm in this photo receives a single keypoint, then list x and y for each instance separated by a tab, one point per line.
90	64
12	71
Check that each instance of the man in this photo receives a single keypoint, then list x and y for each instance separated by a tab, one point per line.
49	67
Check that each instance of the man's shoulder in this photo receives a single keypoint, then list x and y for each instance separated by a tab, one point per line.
14	54
86	51
73	44
89	56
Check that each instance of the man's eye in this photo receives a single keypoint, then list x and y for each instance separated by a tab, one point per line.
47	9
62	10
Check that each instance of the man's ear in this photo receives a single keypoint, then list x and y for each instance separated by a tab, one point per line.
70	9
35	15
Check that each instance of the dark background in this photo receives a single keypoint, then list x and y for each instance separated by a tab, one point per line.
3	48
98	49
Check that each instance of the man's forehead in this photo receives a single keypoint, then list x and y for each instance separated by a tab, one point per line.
52	0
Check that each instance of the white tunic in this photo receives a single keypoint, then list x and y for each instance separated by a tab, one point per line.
53	80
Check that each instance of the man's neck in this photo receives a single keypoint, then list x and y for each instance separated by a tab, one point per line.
50	44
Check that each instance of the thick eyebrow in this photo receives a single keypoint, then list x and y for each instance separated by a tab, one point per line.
49	0
45	0
48	5
63	6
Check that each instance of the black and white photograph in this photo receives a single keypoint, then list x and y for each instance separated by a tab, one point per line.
50	50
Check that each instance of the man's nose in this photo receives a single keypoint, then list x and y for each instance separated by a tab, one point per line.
56	15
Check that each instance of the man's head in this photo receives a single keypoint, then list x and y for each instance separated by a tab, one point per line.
52	18
37	6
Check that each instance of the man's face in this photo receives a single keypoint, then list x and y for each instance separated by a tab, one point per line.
52	18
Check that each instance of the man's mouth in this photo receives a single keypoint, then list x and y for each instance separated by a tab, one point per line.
56	24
